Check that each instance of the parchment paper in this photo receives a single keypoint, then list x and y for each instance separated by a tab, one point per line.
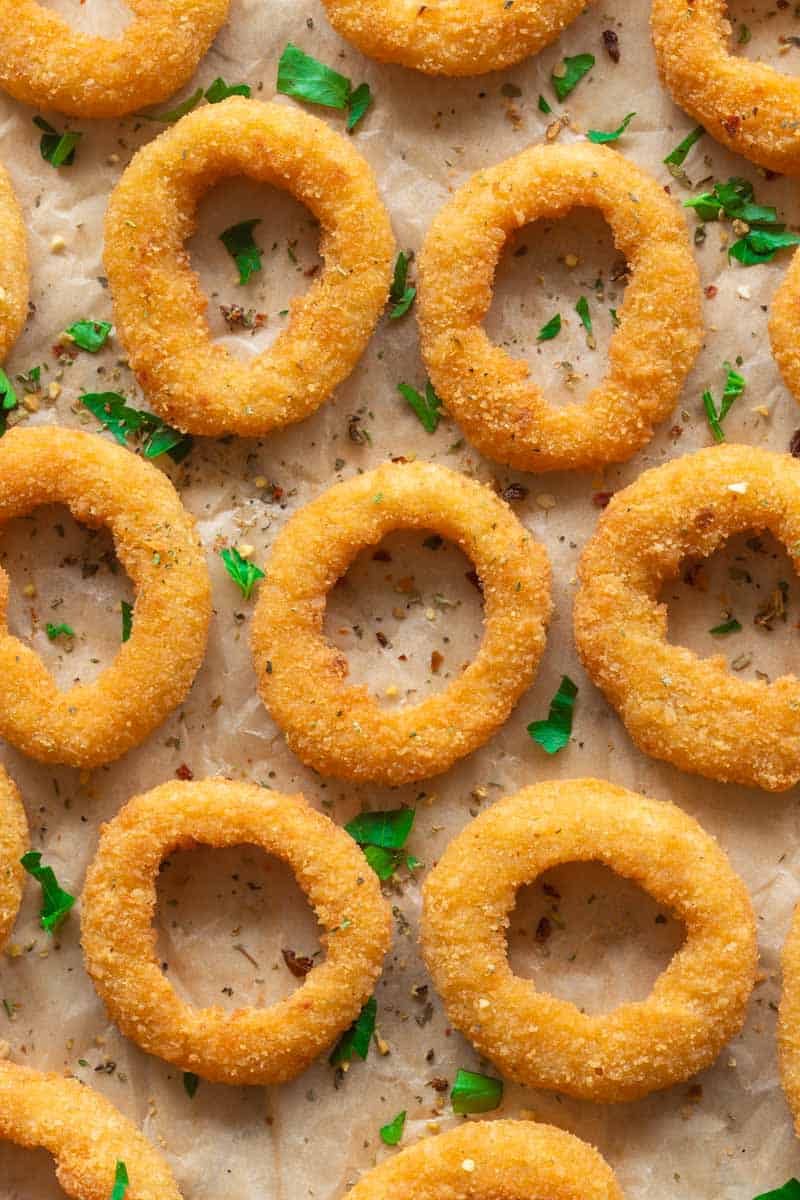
727	1134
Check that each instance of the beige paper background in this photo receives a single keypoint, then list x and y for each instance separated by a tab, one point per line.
423	137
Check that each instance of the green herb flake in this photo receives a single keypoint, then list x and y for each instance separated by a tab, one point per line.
243	573
8	399
761	245
220	90
382	836
789	1191
474	1093
734	386
597	136
9	1009
426	407
240	244
357	1038
56	903
401	295
30	380
115	414
357	105
729	626
89	335
550	330
574	70
306	78
393	1132
126	610
57	631
57	148
744	35
544	107
121	1182
554	733
190	1083
582	309
677	157
175	114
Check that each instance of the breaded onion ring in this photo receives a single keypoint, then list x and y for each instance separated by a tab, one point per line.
507	1160
250	1045
13	844
747	106
789	1019
14	268
157	544
691	711
343	731
501	410
84	1132
160	310
697	1004
784	319
453	37
46	63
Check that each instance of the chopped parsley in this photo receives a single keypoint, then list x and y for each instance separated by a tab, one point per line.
126	610
393	1132
31	380
597	136
401	295
554	733
359	102
474	1093
761	245
357	1038
243	573
190	1083
8	399
220	90
89	335
544	107
121	1182
306	78
582	309
550	330
57	631
573	72
239	242
729	626
765	234
382	836
426	407
734	386
57	148
677	157
789	1191
56	903
116	415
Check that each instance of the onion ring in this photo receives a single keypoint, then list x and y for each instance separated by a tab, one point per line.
784	314
490	393
691	711
160	311
747	106
84	1132
13	844
157	544
46	63
789	1019
508	1160
251	1045
342	731
14	257
458	37
696	1005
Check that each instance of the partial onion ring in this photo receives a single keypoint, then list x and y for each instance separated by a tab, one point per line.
489	393
160	310
157	544
784	318
696	1005
250	1045
691	711
13	844
14	269
747	106
86	1135
789	1020
46	63
457	37
507	1160
342	730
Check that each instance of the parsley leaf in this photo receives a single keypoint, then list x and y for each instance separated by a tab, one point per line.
392	1133
554	733
306	78
89	335
121	1182
239	242
127	620
8	397
426	407
761	245
550	330
474	1093
243	573
56	631
175	114
574	70
216	91
729	626
382	836
582	309
677	157
357	1038
734	386
220	90
56	903
359	102
595	135
190	1083
119	418
734	200
789	1191
543	106
401	295
57	148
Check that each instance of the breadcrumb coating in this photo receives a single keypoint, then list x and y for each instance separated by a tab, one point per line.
13	844
14	273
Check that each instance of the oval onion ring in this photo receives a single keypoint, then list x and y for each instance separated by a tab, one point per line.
789	1019
156	541
250	1045
501	410
46	63
191	381
84	1133
14	259
456	37
696	1005
13	844
747	106
691	711
507	1160
784	315
343	731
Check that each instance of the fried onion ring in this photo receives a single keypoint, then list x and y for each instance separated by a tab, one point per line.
501	410
691	711
789	1019
784	315
457	37
343	731
13	844
157	544
747	106
696	1005
507	1160
85	1134
14	275
46	63
191	381
250	1045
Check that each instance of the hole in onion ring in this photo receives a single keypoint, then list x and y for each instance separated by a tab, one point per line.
247	907
246	318
100	18
406	635
28	1173
763	32
50	557
585	934
750	579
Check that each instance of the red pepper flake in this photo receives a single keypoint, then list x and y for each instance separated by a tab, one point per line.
711	291
601	499
436	661
731	125
184	772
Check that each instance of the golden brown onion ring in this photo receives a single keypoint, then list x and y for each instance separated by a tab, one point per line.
789	1019
14	269
13	844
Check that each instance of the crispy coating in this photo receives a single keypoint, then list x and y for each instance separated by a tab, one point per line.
46	63
14	271
501	410
342	730
158	546
784	320
250	1045
512	1160
789	1019
691	711
697	1004
160	309
748	106
458	37
85	1134
13	844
